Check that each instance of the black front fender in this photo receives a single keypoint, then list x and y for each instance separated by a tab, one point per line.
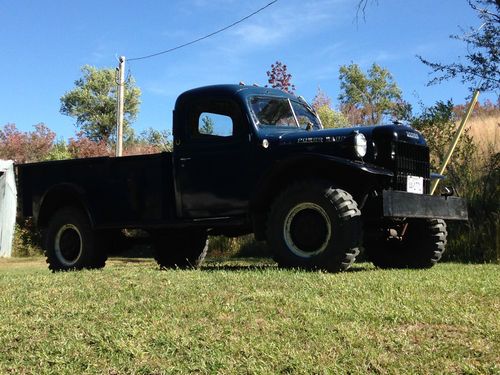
360	166
354	176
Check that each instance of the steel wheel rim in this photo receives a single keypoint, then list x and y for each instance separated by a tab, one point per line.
68	245
318	218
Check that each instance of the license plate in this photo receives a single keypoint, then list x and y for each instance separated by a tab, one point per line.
415	184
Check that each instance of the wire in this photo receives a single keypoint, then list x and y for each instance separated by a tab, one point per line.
204	37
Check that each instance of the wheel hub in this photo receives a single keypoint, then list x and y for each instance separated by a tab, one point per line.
68	244
307	229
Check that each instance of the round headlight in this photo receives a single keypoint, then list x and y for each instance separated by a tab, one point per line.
360	145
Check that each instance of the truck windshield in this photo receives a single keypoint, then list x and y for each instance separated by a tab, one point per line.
282	113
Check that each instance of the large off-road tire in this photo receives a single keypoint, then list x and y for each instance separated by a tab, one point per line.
421	246
70	243
314	226
180	248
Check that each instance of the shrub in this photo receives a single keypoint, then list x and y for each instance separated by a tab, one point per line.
474	173
26	240
478	239
84	147
238	247
25	147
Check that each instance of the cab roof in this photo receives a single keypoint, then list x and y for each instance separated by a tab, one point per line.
229	90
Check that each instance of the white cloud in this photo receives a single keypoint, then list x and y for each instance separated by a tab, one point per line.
289	20
100	53
260	35
286	30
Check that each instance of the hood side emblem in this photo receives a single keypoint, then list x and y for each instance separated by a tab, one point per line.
412	135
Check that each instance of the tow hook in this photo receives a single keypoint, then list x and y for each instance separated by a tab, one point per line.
392	233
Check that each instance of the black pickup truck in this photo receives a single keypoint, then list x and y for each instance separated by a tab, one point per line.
249	160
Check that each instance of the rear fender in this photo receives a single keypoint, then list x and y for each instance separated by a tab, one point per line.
59	196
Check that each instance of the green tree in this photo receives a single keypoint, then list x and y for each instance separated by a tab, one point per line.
330	118
481	67
438	124
207	126
161	140
93	104
59	151
371	96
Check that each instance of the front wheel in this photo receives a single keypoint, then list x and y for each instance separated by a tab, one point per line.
419	243
70	243
314	226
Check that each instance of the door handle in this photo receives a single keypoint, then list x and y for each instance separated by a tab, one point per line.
184	159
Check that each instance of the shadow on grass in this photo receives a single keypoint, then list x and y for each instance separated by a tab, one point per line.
267	264
250	258
121	259
234	267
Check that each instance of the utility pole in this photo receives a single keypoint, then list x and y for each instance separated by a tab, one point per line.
120	106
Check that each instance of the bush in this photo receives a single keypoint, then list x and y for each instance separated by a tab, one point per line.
474	173
26	240
478	239
237	247
25	147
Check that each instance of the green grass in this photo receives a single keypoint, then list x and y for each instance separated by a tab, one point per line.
248	317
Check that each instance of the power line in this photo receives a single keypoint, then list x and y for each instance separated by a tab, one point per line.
204	37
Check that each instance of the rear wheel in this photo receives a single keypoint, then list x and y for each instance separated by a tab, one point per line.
314	226
70	243
180	248
417	243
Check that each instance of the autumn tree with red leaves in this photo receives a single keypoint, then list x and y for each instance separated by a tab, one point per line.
26	147
487	109
84	147
279	78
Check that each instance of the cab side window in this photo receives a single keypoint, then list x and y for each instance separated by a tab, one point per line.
215	120
215	124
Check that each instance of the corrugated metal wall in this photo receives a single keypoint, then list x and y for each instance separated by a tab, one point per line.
8	200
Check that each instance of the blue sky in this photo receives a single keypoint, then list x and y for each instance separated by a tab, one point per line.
44	43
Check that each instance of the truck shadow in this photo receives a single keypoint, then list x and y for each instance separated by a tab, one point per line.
265	267
235	268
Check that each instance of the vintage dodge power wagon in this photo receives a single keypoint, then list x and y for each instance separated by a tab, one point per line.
249	160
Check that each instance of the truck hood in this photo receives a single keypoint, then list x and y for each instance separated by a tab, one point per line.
393	132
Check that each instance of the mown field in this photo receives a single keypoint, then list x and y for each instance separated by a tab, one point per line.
248	317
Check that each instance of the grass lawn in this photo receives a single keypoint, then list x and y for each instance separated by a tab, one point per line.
248	317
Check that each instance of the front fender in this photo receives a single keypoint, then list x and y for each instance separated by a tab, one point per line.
358	165
355	176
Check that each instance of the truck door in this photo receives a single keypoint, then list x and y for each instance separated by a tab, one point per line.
212	161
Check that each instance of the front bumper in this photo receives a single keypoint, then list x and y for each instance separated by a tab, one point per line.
399	204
